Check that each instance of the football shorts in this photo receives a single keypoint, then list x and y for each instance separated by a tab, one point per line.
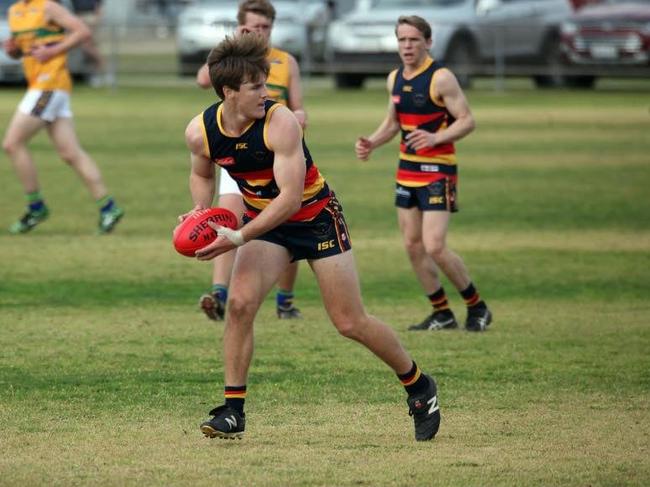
437	196
46	105
326	235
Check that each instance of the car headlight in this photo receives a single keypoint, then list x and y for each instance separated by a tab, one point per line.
568	28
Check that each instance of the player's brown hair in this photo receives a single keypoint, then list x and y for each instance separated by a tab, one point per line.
259	7
415	21
237	59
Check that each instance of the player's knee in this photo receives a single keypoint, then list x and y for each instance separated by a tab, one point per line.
68	156
348	327
240	308
413	247
435	248
10	146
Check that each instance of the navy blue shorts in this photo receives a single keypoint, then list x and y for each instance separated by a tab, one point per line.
437	196
327	234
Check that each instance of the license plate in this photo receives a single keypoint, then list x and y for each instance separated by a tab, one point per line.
603	51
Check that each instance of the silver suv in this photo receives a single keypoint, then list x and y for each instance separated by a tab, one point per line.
471	36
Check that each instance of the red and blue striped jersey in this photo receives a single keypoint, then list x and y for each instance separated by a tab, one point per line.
416	107
249	161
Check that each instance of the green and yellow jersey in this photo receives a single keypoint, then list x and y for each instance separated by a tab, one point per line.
30	28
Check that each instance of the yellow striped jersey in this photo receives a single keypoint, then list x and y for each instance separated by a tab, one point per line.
277	84
249	161
416	107
29	28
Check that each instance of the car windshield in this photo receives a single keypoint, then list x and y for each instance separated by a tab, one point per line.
411	3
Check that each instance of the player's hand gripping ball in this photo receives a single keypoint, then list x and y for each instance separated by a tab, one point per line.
11	48
194	233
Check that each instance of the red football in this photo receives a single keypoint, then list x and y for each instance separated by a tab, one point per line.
194	232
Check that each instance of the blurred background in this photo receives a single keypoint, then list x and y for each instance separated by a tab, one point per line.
555	43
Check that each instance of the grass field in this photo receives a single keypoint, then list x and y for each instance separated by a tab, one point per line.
107	367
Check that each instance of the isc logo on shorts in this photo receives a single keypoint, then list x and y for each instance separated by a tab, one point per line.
330	244
436	200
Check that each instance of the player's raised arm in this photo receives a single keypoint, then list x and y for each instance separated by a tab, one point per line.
388	128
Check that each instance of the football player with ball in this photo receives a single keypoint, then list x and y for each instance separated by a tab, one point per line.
291	214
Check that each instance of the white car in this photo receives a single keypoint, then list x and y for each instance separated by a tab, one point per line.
202	25
468	36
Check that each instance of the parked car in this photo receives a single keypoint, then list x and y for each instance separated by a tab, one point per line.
299	28
11	70
612	36
471	36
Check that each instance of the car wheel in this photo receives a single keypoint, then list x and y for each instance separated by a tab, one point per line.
461	59
553	65
585	82
349	80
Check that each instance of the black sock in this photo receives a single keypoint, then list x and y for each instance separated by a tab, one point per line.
439	300
471	296
235	397
414	381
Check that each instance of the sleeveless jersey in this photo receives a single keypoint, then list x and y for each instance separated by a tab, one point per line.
415	107
277	84
249	161
29	28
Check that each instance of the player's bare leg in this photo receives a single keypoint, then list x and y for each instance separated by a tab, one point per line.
64	137
410	224
20	131
339	286
213	302
257	267
434	235
425	268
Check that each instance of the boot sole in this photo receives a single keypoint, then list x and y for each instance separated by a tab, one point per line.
210	432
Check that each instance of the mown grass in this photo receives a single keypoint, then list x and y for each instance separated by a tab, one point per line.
107	367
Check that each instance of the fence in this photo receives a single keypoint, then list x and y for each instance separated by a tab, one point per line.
145	45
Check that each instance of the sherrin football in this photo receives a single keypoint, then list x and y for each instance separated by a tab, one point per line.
194	233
